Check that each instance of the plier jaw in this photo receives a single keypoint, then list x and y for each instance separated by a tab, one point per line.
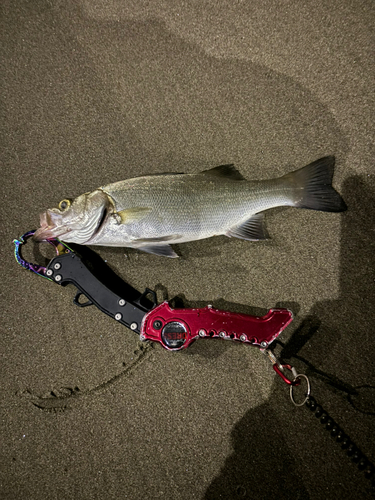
38	269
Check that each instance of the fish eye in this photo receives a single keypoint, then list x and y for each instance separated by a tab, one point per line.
64	204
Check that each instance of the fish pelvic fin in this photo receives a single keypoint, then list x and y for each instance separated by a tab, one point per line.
254	229
131	214
313	186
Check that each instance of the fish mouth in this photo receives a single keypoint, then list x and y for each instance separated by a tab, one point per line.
50	227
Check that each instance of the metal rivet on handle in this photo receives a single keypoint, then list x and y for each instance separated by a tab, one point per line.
243	337
121	302
118	316
202	333
57	266
222	334
263	344
133	326
49	272
58	277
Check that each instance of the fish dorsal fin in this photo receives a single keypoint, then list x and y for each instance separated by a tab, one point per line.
131	214
228	171
253	229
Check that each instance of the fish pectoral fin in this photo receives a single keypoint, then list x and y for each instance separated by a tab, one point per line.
159	249
131	214
227	171
253	229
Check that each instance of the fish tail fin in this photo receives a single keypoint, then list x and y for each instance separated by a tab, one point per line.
312	186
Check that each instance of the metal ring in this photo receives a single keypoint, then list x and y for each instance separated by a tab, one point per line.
308	389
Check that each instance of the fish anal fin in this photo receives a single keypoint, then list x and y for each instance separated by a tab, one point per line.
227	171
131	214
159	249
253	229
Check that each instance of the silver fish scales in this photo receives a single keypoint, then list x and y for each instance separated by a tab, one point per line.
152	212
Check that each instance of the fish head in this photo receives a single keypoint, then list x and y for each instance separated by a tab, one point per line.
75	221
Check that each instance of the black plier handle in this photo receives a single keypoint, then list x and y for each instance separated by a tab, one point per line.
127	308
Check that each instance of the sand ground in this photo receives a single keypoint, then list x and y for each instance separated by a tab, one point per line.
97	91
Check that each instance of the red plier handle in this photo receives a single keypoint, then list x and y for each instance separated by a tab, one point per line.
176	329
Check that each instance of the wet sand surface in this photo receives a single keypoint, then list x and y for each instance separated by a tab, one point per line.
99	91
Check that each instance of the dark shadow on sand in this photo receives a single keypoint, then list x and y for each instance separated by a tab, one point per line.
345	321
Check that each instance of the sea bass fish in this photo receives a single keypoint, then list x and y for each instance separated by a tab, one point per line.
152	212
